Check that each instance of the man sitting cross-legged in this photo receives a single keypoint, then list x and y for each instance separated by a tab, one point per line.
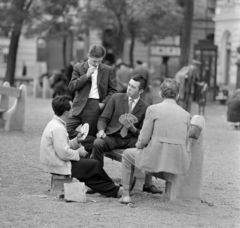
162	143
114	135
60	156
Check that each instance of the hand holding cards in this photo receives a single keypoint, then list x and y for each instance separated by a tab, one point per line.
127	119
83	130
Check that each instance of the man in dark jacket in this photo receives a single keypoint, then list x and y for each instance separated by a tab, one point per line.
93	84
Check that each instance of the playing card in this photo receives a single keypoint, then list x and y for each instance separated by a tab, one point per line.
83	129
121	118
131	118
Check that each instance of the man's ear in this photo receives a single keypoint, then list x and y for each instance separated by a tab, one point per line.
141	91
66	113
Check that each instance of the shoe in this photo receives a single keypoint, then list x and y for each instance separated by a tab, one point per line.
152	189
90	191
125	200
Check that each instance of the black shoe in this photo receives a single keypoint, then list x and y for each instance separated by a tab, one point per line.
90	191
152	189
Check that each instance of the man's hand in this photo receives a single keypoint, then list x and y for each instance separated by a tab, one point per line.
79	137
82	152
101	134
90	71
129	126
101	106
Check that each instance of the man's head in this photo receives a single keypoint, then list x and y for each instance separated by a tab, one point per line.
62	106
169	89
136	86
96	54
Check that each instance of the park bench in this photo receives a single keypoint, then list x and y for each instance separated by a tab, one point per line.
178	186
13	118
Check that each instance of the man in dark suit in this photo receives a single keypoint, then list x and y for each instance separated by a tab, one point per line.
93	84
112	134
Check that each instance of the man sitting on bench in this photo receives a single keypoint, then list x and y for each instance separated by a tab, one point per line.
58	155
112	134
162	142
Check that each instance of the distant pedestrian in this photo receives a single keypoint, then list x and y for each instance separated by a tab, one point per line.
140	68
187	77
123	76
152	97
201	96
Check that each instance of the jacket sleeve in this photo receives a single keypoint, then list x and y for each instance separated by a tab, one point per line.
62	147
78	81
111	86
147	130
106	115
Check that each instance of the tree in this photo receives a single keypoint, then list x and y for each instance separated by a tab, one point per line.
186	31
58	18
136	19
13	16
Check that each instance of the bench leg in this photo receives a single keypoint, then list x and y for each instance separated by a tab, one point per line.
172	186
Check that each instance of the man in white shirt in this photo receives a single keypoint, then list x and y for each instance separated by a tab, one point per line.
93	84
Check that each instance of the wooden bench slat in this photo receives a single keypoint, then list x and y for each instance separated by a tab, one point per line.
10	91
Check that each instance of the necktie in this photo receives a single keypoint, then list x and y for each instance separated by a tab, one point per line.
124	130
131	102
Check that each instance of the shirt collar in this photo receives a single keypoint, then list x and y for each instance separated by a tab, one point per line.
55	117
135	100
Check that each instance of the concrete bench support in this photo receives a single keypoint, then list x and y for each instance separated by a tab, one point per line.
191	184
57	182
13	117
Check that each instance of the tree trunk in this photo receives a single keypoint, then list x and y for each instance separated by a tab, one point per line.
186	32
131	50
119	43
12	56
64	49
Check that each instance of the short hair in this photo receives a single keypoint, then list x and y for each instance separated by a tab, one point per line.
139	62
141	79
60	104
170	88
97	51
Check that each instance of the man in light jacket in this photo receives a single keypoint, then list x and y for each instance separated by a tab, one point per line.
162	143
59	155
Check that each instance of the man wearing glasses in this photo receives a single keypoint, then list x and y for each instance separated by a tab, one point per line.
93	84
112	134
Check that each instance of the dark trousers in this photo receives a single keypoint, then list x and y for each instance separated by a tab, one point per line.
110	142
94	176
90	115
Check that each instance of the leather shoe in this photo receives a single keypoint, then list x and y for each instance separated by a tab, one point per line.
90	191
152	189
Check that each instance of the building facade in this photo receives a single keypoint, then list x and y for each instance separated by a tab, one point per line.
227	38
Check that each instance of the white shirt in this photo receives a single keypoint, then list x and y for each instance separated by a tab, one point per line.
134	102
94	89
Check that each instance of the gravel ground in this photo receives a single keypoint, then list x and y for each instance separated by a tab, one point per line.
26	202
